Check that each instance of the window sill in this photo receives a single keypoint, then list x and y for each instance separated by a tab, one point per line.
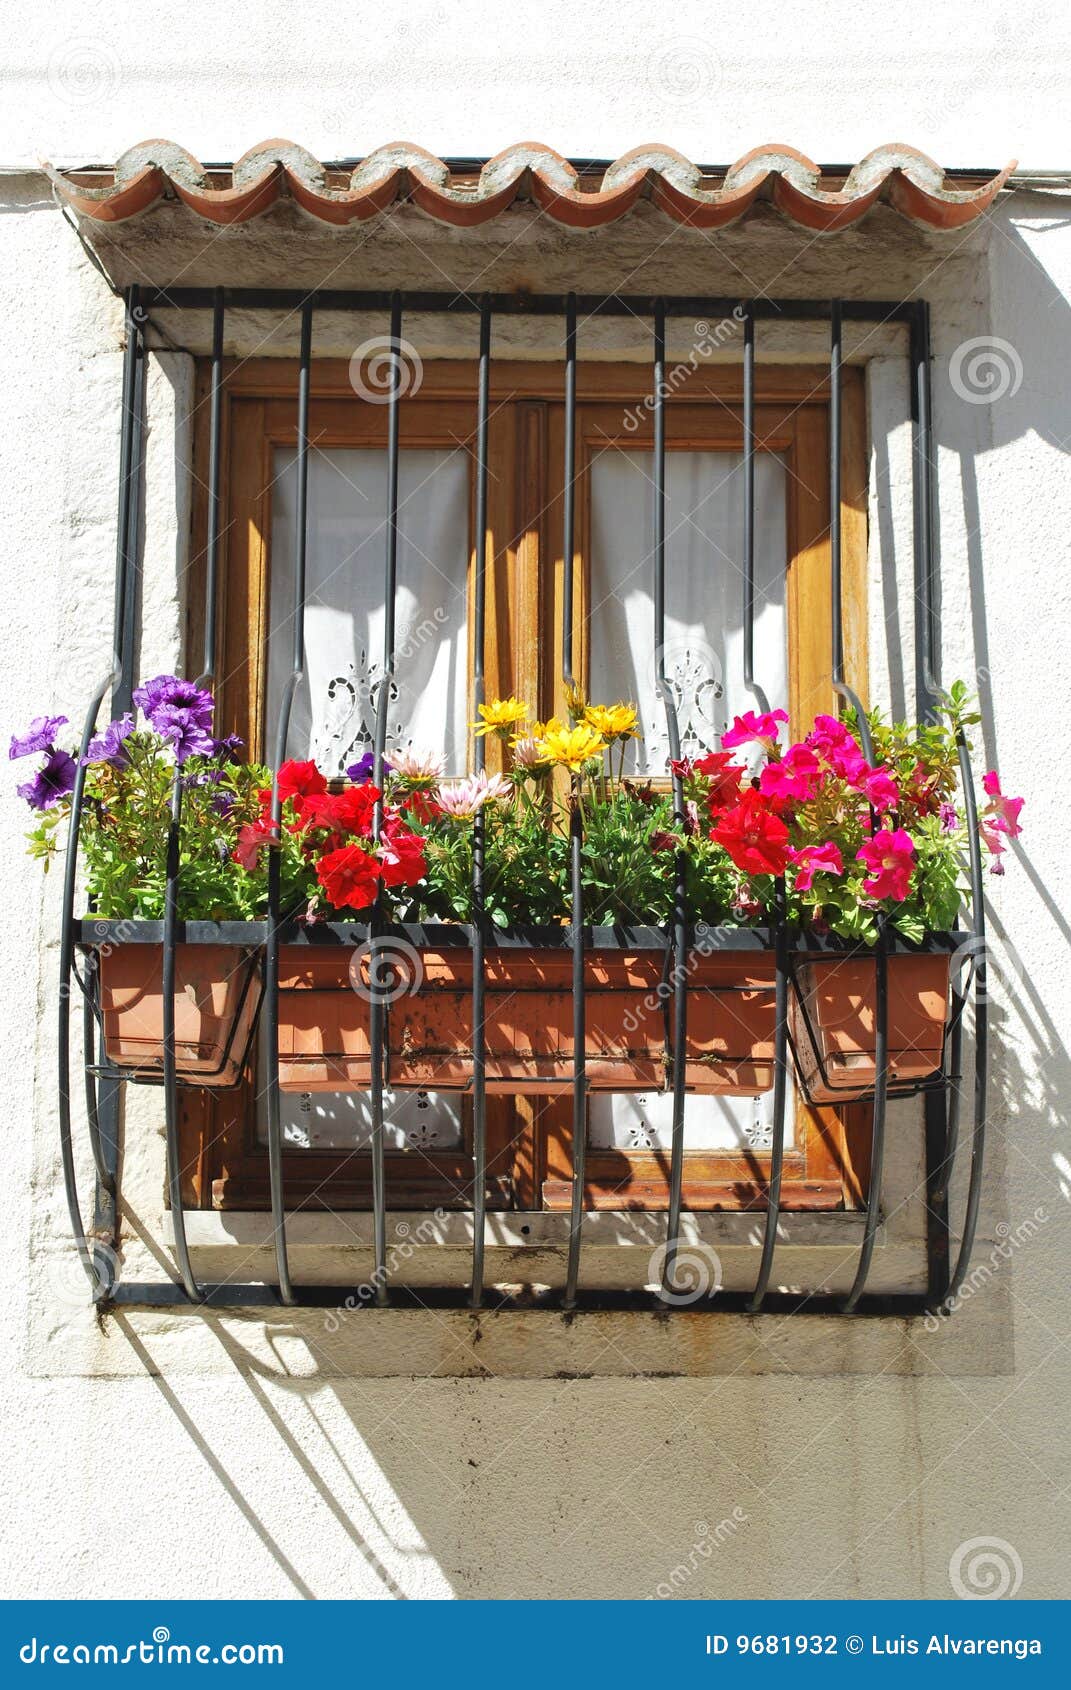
516	1230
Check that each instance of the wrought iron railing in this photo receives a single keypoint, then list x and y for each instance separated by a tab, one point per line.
103	1083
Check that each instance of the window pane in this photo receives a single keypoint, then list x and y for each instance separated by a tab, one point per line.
644	1121
704	661
334	711
704	592
342	1120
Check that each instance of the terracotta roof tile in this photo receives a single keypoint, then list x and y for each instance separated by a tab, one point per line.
901	175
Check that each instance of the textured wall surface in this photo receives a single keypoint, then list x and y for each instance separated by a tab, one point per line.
393	1455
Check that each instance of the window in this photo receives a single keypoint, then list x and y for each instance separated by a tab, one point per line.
429	1161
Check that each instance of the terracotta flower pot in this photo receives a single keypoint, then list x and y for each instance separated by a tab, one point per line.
324	1022
838	995
217	993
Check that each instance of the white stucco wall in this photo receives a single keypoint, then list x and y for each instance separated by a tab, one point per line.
313	1461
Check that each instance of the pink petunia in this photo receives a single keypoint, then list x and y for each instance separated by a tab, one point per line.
880	789
815	859
794	779
752	728
889	854
1002	813
838	748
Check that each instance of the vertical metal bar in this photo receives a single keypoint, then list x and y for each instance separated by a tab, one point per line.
171	1128
877	1132
749	508
63	1043
680	911
122	526
922	503
128	581
479	1054
942	1110
881	996
271	946
215	422
981	1029
379	986
835	356
576	833
171	892
777	1147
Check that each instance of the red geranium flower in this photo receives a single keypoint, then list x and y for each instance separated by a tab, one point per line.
725	778
340	813
251	838
423	806
300	780
755	838
401	854
348	876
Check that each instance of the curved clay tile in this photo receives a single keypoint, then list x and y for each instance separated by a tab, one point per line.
902	175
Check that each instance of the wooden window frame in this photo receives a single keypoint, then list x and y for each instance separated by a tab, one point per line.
529	1138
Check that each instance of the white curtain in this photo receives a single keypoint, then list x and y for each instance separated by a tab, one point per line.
334	712
704	592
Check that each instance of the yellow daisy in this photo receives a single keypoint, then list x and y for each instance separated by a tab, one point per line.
571	748
613	721
574	698
501	717
538	730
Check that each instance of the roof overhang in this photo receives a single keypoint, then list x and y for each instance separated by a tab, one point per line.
583	198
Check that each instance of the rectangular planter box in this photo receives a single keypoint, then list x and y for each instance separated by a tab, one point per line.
838	994
217	994
324	1022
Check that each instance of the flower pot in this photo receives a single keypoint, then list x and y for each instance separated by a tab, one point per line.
833	1027
217	994
324	1021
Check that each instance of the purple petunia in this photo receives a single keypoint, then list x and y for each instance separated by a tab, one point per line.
182	712
108	747
168	692
187	734
53	781
39	736
949	818
362	769
226	750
